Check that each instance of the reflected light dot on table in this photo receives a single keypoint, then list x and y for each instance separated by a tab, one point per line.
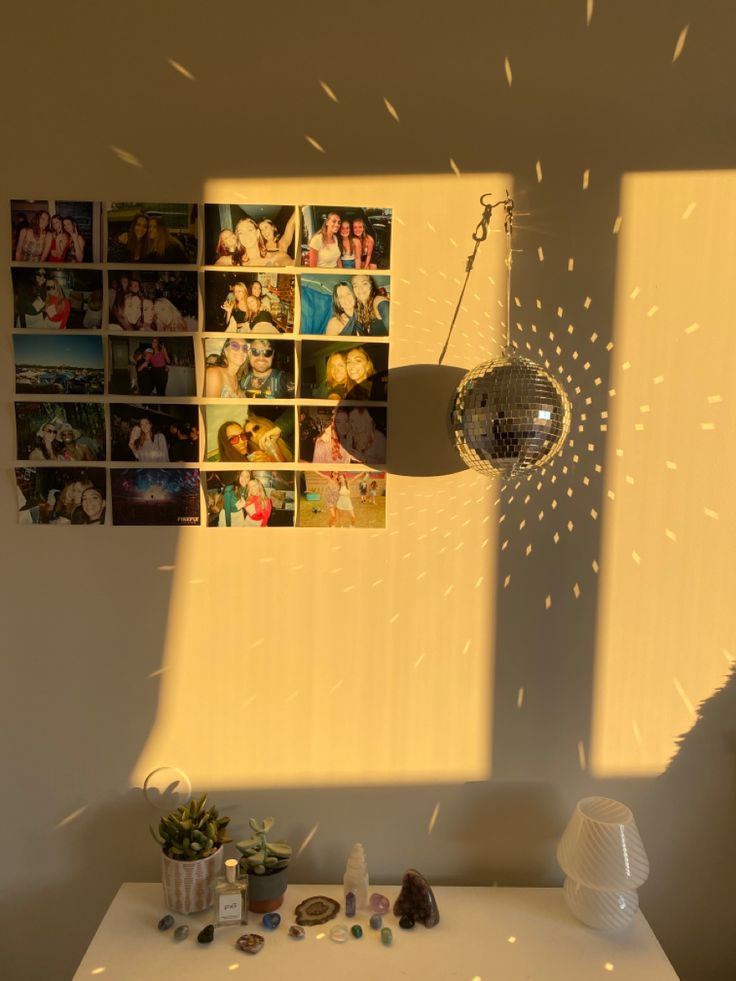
97	970
512	940
608	966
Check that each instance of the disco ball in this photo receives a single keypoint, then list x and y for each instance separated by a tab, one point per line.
509	416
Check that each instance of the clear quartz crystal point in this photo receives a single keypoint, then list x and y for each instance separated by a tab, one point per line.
355	879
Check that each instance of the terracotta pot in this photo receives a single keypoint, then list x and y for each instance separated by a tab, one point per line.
266	892
189	886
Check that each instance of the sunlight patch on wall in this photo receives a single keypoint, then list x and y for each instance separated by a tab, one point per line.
666	620
344	656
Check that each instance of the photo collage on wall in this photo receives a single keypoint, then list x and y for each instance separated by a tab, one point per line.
222	365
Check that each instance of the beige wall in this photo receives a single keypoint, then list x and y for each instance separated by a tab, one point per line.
444	690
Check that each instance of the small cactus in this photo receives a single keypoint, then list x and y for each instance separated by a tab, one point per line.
259	856
191	831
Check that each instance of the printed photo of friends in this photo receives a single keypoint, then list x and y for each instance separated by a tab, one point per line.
337	371
57	299
159	234
52	496
249	302
153	300
54	365
154	433
342	499
346	237
152	366
345	306
249	498
55	231
249	434
249	234
259	368
155	497
60	431
342	435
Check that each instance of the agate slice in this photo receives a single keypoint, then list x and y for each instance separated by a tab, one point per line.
315	910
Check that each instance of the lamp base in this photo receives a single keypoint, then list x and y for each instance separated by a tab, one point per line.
602	909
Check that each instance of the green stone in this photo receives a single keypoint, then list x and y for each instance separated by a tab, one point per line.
387	938
357	931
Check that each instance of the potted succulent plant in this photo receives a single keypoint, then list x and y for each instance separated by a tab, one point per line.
191	839
266	863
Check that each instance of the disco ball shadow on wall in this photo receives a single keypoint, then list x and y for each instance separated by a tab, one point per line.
509	416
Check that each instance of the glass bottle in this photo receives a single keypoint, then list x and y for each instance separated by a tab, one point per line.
231	896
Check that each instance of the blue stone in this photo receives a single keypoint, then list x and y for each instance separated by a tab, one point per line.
349	904
166	922
387	937
271	920
376	921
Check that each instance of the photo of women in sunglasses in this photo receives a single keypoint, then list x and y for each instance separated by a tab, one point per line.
60	431
249	302
252	434
249	234
364	378
57	299
257	368
249	498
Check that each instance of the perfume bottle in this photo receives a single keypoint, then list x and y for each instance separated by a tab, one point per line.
231	896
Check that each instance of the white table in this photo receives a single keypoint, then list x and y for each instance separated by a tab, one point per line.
484	934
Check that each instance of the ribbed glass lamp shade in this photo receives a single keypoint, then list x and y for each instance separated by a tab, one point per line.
509	416
601	847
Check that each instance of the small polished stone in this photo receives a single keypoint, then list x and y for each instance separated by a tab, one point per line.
357	931
166	922
349	904
181	932
250	943
297	932
271	920
206	935
339	934
379	903
406	922
376	921
387	938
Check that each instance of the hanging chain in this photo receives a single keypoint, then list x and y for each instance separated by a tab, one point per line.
480	235
508	225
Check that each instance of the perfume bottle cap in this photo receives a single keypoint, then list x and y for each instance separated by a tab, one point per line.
231	869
